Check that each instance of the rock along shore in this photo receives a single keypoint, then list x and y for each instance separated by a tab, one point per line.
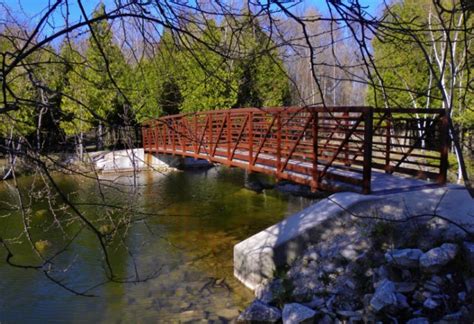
375	269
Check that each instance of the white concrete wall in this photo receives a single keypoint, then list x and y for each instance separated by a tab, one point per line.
256	258
136	159
127	160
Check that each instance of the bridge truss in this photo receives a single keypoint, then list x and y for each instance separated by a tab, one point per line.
323	147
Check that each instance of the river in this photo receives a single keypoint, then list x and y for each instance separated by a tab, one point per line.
177	233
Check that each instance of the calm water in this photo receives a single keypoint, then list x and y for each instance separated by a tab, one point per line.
178	229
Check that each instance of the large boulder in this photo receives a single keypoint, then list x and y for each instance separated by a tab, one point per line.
431	304
384	296
404	258
468	253
269	292
260	312
296	313
435	259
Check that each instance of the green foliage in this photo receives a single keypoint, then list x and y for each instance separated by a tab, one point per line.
453	167
405	68
33	88
145	92
192	75
209	80
261	74
170	98
18	122
89	82
95	82
402	65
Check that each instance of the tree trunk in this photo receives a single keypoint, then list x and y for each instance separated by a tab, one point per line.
80	146
100	137
462	172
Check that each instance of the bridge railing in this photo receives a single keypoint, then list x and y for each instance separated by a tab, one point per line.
316	146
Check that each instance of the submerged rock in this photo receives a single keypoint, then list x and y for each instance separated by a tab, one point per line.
406	258
297	313
299	190
260	312
385	295
435	259
42	245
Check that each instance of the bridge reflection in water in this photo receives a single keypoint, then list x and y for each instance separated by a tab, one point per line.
323	147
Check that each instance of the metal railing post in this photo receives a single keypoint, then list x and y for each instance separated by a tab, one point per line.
388	142
367	164
345	121
250	140
173	136
156	136
144	135
278	148
315	172
195	134
229	135
444	147
210	132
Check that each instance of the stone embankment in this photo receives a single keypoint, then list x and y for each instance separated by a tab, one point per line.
368	269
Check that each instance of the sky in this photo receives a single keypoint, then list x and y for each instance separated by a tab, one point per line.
29	12
33	8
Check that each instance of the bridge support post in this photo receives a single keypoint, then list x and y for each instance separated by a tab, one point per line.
315	173
367	164
278	148
444	147
346	124
210	140
388	143
144	137
155	133
250	130
229	134
196	135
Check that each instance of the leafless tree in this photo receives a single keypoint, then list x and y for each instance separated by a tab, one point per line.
328	58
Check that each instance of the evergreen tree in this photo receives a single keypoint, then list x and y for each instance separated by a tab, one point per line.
260	70
170	98
96	91
209	81
19	121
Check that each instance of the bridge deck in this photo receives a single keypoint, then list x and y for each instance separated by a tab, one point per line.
354	148
381	183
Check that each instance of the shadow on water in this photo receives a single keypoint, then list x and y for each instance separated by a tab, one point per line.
202	214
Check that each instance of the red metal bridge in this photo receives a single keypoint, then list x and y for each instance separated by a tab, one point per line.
323	147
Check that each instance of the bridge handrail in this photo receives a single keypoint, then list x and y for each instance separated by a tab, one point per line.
307	108
358	139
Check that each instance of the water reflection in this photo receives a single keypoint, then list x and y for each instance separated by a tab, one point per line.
201	215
